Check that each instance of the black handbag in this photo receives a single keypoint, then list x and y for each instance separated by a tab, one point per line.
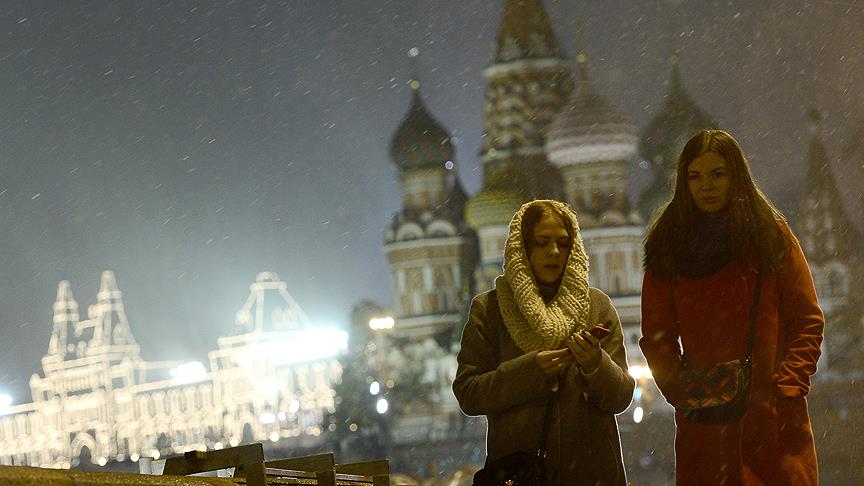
519	468
720	393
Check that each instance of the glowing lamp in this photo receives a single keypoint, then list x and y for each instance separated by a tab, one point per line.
639	372
382	406
381	323
638	413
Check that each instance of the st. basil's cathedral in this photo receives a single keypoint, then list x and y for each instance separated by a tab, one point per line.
547	133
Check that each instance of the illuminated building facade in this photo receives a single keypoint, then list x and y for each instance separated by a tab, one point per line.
96	399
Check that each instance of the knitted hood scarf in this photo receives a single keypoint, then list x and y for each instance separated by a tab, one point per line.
533	324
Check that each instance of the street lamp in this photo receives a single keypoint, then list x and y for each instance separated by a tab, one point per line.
638	372
638	413
382	406
381	323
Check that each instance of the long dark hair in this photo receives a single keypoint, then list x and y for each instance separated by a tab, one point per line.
754	222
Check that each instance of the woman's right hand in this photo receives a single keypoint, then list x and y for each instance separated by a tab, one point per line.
554	362
586	350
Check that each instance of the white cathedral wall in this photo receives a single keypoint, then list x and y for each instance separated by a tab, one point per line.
587	150
614	259
582	179
424	188
492	240
426	275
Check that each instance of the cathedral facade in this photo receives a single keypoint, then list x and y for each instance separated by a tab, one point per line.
549	134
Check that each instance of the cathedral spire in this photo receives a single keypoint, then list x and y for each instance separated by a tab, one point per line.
111	327
826	228
525	33
664	137
823	227
527	83
65	318
108	291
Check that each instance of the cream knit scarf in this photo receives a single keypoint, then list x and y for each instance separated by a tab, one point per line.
533	324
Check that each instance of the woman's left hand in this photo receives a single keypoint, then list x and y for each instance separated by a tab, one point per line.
586	350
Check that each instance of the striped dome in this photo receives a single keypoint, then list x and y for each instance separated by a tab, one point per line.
589	129
420	142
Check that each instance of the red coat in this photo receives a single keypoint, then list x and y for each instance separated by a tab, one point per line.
773	443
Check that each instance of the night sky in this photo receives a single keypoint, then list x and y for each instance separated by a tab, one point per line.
190	145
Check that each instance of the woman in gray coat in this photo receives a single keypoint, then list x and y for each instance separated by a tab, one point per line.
526	344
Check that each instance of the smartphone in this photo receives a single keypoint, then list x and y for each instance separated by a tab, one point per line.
599	332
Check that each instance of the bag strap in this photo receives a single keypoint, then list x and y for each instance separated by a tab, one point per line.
550	404
754	312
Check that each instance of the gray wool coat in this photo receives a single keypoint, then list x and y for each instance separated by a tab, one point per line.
497	379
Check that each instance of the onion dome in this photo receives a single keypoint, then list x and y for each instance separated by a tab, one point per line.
589	128
495	205
665	136
420	141
525	33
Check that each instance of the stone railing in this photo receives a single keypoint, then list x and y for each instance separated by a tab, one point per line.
247	463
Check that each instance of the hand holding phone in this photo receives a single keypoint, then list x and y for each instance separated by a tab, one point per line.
599	332
587	351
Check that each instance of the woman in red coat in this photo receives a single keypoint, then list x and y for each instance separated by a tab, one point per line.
702	258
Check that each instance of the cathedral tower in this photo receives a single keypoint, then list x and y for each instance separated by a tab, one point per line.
592	144
664	137
426	244
526	84
828	239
